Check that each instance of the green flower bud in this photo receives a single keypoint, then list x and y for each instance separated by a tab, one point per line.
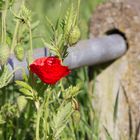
76	116
21	102
4	54
19	52
74	35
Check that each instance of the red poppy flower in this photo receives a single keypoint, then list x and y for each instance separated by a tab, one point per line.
49	69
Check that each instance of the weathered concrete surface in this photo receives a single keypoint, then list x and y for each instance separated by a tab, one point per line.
120	16
108	86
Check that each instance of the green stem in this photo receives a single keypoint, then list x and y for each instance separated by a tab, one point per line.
61	85
39	114
26	122
4	13
37	105
15	36
2	29
14	40
30	53
46	125
73	129
78	9
30	34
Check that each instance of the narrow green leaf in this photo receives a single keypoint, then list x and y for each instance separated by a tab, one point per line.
26	92
108	136
35	24
49	46
29	97
24	85
50	23
116	107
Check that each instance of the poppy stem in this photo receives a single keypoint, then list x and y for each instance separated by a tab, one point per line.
37	105
30	33
39	113
61	85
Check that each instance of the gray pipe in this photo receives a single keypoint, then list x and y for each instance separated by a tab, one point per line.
86	52
95	51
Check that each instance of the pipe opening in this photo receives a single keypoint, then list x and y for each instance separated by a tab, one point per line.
117	31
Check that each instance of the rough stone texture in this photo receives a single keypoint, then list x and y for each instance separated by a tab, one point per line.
123	16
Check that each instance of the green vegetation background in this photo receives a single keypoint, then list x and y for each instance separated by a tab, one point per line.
54	9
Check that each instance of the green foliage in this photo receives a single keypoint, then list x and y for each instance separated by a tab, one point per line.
3	2
21	103
2	121
9	111
115	115
61	119
5	76
71	92
69	20
65	33
74	35
63	111
19	52
4	54
25	14
26	89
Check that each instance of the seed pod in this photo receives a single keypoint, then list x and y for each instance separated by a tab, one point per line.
4	54
19	52
74	35
21	102
76	116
